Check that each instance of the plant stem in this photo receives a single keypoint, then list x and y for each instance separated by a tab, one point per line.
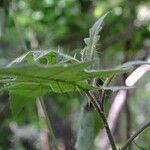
102	115
53	138
106	83
134	136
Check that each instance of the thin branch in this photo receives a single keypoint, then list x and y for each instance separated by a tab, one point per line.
134	136
102	115
44	135
49	124
106	83
119	101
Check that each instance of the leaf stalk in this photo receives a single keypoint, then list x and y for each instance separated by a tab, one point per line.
102	115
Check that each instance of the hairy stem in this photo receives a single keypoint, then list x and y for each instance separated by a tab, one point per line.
52	136
102	115
134	136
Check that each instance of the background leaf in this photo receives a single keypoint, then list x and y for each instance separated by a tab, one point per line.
18	102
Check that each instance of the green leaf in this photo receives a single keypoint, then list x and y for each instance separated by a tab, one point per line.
44	57
23	94
27	57
28	89
46	73
18	102
93	38
26	78
25	81
56	78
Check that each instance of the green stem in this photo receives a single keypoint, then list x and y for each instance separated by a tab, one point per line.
134	136
102	115
106	83
53	138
